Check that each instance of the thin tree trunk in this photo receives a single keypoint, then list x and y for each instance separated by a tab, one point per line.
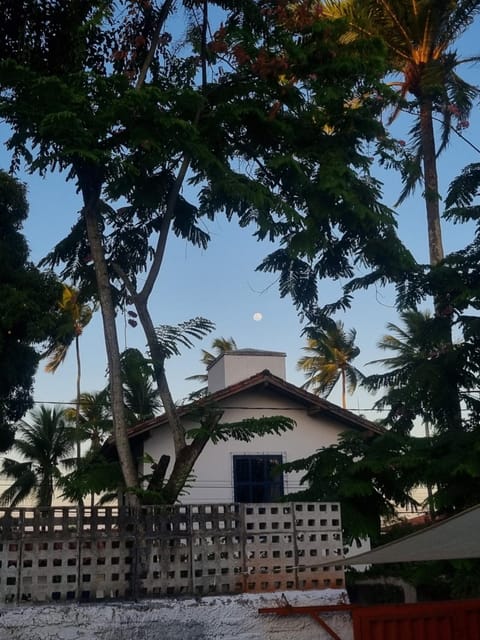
432	196
77	409
431	503
185	454
91	198
344	389
443	309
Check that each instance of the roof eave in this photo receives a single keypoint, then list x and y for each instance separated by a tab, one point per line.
315	404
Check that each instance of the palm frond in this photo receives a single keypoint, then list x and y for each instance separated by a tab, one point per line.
42	445
331	351
25	482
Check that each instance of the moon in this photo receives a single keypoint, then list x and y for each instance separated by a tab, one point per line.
257	316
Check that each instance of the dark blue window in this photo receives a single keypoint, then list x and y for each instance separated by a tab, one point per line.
257	478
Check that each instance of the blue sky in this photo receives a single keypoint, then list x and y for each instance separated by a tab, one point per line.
222	285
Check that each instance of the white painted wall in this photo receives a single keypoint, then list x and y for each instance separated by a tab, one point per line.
213	481
232	618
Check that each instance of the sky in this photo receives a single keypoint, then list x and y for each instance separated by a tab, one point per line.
221	284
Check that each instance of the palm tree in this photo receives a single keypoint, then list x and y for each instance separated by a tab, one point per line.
411	346
74	317
42	445
331	353
424	371
95	425
142	400
419	376
419	35
409	368
95	417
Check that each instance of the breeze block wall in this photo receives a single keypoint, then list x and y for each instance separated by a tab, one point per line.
109	553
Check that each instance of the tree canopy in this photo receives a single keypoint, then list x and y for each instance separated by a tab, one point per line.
27	310
256	106
431	362
420	40
270	112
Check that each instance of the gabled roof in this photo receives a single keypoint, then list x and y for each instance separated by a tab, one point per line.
266	380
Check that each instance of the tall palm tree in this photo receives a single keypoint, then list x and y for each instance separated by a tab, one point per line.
42	445
329	359
74	317
419	36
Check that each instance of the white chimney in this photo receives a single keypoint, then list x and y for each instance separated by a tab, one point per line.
234	366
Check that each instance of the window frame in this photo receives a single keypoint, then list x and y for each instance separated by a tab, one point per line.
272	489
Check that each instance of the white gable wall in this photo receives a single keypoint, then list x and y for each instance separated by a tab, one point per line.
213	473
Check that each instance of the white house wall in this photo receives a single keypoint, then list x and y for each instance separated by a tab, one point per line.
212	479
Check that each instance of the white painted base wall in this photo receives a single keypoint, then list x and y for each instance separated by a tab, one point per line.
212	618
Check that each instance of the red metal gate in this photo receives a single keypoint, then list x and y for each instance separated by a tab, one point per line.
450	620
456	620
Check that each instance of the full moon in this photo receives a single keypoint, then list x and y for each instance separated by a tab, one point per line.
257	316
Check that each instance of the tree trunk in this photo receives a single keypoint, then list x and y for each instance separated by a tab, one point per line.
91	196
344	388
182	468
443	310
77	409
432	196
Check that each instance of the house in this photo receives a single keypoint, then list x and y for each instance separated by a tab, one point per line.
251	383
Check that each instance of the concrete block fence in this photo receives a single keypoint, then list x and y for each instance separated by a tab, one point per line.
70	555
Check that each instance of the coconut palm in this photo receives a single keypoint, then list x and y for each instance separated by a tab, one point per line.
419	36
330	355
410	345
74	317
422	378
95	417
42	446
92	470
408	374
424	371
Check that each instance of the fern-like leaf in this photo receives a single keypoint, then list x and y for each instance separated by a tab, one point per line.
171	337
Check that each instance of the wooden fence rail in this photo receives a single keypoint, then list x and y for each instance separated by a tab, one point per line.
65	553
